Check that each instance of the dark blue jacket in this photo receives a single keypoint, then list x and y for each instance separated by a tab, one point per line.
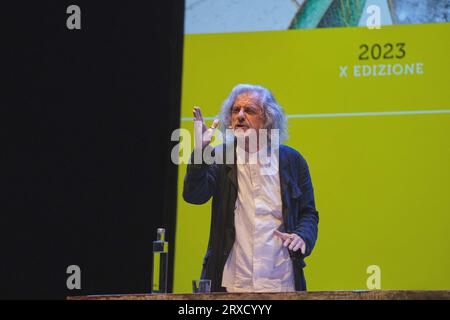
219	181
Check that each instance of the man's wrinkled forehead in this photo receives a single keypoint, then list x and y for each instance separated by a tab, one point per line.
247	99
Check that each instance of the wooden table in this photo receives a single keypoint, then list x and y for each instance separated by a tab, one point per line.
315	295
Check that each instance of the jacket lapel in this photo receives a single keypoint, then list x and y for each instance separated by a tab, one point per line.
284	182
231	167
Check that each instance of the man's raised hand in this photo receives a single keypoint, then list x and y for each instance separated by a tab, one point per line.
202	133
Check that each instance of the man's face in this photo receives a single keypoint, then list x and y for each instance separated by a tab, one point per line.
247	112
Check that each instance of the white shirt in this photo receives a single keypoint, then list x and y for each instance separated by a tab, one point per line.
258	262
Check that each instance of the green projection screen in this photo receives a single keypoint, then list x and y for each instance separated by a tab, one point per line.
369	109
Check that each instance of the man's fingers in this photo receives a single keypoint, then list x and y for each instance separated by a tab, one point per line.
197	114
286	243
215	123
292	240
199	117
281	235
294	243
297	246
200	113
300	245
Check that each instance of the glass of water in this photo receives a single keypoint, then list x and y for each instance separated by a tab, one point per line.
201	286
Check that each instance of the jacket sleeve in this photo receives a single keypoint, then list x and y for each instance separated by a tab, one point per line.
200	182
307	226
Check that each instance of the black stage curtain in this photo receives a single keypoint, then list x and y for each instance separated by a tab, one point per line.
86	121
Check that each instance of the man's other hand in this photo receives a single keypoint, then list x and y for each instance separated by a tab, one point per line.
292	240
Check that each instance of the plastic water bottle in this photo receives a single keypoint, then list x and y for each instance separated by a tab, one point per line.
160	261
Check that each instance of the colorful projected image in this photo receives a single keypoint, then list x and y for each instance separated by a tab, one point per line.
218	16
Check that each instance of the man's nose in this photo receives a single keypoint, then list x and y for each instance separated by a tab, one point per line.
241	114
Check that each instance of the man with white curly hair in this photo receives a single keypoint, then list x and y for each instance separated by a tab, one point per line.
263	224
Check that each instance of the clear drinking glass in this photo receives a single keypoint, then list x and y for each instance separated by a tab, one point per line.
201	286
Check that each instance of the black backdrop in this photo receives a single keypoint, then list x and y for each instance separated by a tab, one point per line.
86	121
